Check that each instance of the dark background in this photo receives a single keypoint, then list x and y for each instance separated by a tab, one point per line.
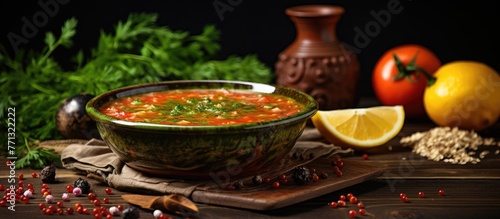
454	30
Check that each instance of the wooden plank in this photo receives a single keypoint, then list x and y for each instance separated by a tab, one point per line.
264	197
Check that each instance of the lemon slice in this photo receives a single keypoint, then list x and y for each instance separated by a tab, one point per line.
360	128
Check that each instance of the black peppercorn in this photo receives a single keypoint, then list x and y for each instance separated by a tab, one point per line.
130	212
257	180
323	175
301	175
48	174
83	184
311	156
238	184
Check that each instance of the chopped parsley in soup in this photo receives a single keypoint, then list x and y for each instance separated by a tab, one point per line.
202	107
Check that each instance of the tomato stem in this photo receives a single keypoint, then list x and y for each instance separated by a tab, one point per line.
411	69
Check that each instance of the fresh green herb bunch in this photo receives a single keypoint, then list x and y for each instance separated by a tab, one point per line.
139	51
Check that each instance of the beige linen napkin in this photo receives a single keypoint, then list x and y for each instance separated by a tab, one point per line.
95	158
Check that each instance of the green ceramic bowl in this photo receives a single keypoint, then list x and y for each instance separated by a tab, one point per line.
201	151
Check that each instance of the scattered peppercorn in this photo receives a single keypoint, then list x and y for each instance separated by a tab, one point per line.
83	184
276	184
301	175
311	156
257	179
405	199
361	205
441	192
238	184
352	213
315	177
323	175
362	212
267	180
365	156
108	191
130	212
48	174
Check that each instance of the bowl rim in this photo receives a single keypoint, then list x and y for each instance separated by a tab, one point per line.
309	109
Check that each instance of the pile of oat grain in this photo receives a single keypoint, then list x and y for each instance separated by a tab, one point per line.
451	145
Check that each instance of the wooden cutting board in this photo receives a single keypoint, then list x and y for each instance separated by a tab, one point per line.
265	197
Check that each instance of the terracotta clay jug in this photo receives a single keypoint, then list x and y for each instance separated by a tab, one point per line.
316	62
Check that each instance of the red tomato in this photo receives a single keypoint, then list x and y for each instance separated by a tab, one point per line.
407	91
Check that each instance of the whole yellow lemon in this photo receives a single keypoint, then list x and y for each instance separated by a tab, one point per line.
466	94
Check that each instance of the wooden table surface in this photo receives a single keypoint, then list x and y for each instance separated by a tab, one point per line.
471	191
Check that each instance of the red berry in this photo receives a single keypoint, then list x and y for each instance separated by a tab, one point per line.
312	170
361	205
45	186
336	169
164	216
20	183
96	211
401	195
78	205
49	211
276	184
109	216
21	176
441	192
29	186
365	156
267	180
69	188
341	203
97	202
342	197
349	195
339	173
352	213
120	207
421	194
59	204
340	164
104	211
91	196
405	199
85	211
105	200
60	211
282	176
25	200
2	188
41	206
315	177
34	175
353	200
109	191
284	181
362	212
333	204
79	209
69	211
3	203
53	208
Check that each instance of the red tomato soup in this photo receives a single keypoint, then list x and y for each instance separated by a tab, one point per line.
202	107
